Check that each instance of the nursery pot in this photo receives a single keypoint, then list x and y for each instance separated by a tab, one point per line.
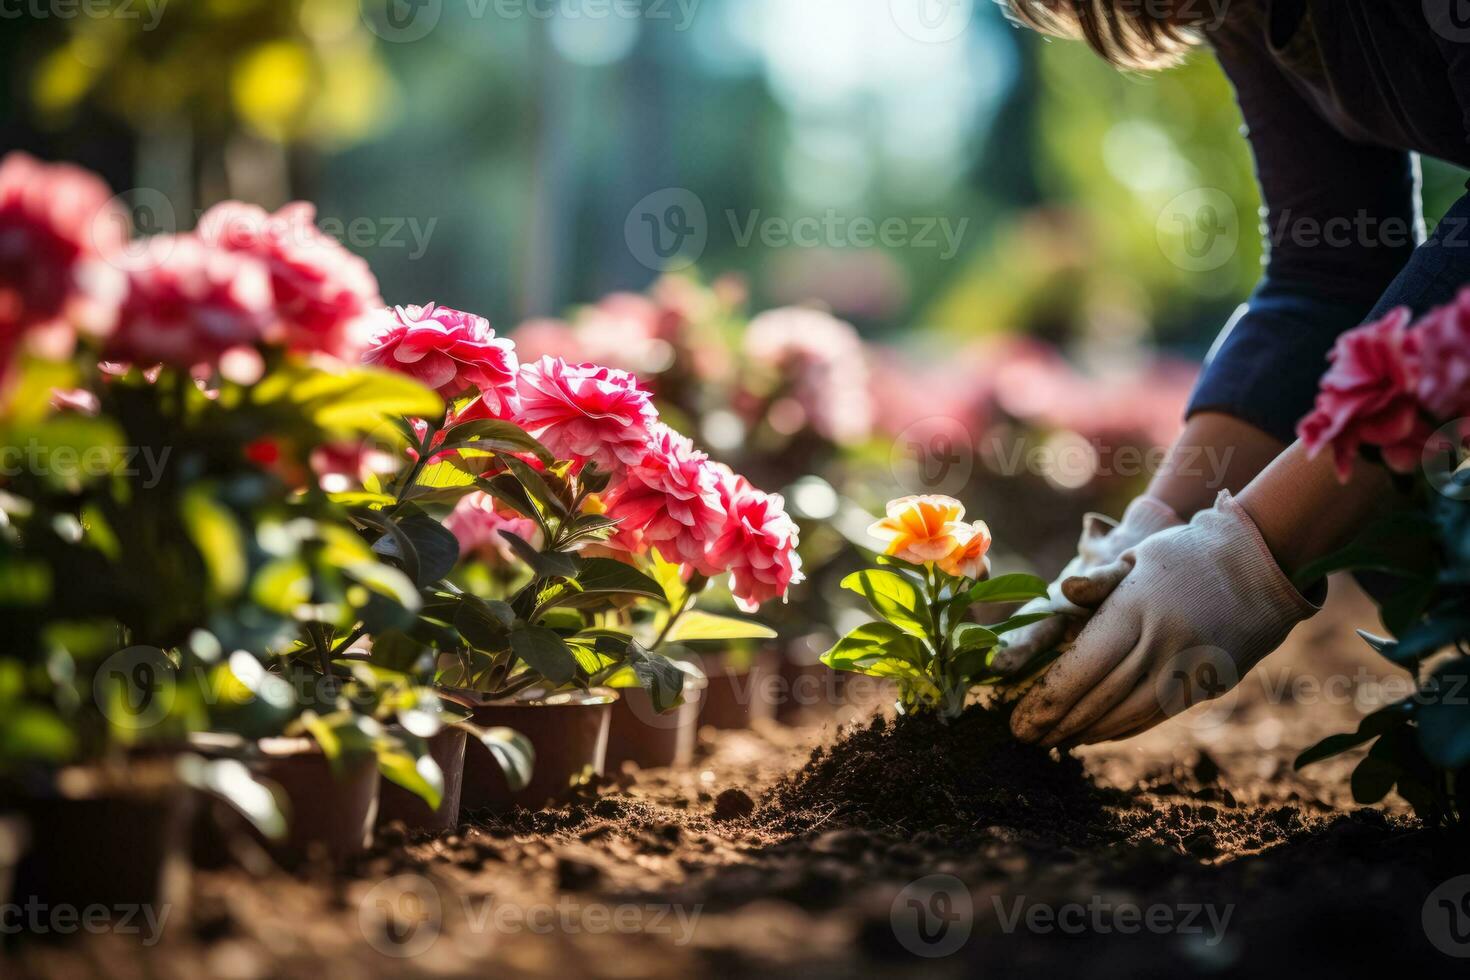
568	731
113	838
738	695
642	735
396	803
13	835
331	811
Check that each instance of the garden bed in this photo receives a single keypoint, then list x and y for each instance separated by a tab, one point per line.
764	857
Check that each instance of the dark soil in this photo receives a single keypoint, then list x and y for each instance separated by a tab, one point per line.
800	852
955	779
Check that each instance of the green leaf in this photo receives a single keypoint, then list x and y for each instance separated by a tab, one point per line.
546	564
1429	637
586	526
659	676
407	762
1444	715
1016	622
971	637
1383	720
514	752
544	652
396	650
874	643
535	486
484	624
1007	588
435	544
606	576
670	580
361	399
494	435
892	597
229	780
697	625
218	538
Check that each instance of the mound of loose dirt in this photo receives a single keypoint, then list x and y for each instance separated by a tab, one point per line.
958	779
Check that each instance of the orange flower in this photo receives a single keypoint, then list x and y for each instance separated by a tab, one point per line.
968	559
922	529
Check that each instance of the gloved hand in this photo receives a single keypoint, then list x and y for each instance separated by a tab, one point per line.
1101	543
1197	607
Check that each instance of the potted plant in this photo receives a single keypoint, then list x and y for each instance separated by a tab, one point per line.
933	569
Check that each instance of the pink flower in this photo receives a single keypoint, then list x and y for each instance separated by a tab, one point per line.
821	363
449	351
326	296
1367	396
670	499
546	337
477	525
57	226
78	400
757	545
586	413
187	303
630	332
340	467
1440	348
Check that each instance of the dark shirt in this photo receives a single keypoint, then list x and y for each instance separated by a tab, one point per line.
1337	97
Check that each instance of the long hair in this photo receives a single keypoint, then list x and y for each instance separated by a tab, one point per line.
1134	34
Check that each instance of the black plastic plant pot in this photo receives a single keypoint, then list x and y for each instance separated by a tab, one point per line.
568	732
396	803
13	836
651	740
331	809
112	838
739	694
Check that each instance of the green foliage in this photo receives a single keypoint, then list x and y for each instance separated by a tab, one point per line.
921	639
1419	746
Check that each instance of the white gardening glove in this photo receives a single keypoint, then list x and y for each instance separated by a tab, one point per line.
1101	543
1198	606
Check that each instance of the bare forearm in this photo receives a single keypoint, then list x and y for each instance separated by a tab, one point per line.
1304	512
1214	452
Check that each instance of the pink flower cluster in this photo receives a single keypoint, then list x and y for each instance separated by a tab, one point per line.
821	364
478	523
1388	380
664	493
57	222
244	278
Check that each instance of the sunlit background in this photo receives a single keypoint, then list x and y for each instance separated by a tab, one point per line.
1026	240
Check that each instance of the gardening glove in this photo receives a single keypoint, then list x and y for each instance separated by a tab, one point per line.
1197	607
1101	543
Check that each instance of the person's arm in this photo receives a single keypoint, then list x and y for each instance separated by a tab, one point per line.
1341	219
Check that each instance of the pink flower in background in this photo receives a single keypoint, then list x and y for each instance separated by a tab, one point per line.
187	303
823	366
757	545
477	525
78	400
58	224
1439	345
585	412
545	337
449	351
341	467
326	295
670	500
1367	396
629	331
